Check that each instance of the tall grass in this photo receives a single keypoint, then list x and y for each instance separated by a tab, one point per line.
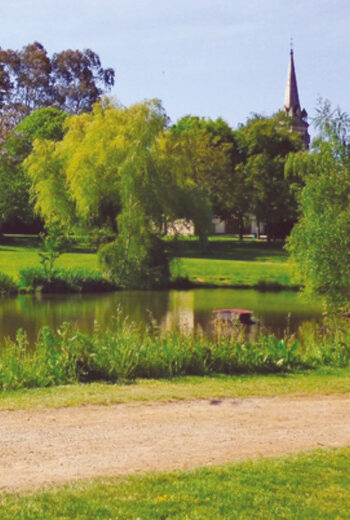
72	280
123	352
7	284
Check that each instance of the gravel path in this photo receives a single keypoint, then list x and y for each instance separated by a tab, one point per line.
50	446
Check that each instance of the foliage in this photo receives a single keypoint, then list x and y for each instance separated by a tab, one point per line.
113	158
135	261
7	284
73	280
15	205
113	169
124	351
43	123
211	151
29	79
37	279
53	244
320	242
14	191
243	170
264	145
79	79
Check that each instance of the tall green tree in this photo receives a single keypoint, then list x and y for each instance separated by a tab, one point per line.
320	241
265	144
210	147
71	80
119	168
16	207
106	155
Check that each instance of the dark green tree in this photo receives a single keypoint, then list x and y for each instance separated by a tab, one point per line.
16	208
265	144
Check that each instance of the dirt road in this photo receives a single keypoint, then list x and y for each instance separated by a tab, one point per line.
42	447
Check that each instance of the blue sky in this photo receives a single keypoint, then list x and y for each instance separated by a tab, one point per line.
211	58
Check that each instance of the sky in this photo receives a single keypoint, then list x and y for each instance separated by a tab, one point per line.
211	58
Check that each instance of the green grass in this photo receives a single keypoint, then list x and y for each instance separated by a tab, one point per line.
228	262
309	486
225	262
228	248
322	381
23	252
233	272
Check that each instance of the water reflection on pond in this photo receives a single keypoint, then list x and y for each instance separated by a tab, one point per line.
274	311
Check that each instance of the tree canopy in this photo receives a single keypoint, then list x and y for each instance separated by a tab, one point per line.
114	157
16	208
71	80
264	145
320	241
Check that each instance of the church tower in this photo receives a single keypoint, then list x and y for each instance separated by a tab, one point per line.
292	104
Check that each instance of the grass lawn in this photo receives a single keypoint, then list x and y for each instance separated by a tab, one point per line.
225	261
233	272
322	381
22	252
310	486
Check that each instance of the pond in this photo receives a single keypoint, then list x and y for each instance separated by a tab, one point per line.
275	312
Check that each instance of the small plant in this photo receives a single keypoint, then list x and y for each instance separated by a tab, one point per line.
53	245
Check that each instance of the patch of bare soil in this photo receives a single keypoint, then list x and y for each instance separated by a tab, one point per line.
51	446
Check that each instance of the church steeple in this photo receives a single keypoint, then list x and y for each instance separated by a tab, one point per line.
291	98
292	104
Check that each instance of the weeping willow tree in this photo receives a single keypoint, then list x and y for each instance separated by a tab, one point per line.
123	169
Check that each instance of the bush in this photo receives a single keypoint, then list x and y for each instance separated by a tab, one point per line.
37	279
63	281
7	284
86	280
143	264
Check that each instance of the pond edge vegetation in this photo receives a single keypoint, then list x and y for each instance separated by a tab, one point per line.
124	351
83	280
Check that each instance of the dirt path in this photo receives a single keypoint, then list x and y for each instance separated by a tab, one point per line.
49	446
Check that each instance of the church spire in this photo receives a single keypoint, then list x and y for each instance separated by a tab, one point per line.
291	98
292	104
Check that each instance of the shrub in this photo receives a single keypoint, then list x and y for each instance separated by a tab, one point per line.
63	281
141	264
86	280
7	284
37	279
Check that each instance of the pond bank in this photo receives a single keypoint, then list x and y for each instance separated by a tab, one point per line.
124	351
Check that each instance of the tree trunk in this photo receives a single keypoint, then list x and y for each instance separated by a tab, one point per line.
240	226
